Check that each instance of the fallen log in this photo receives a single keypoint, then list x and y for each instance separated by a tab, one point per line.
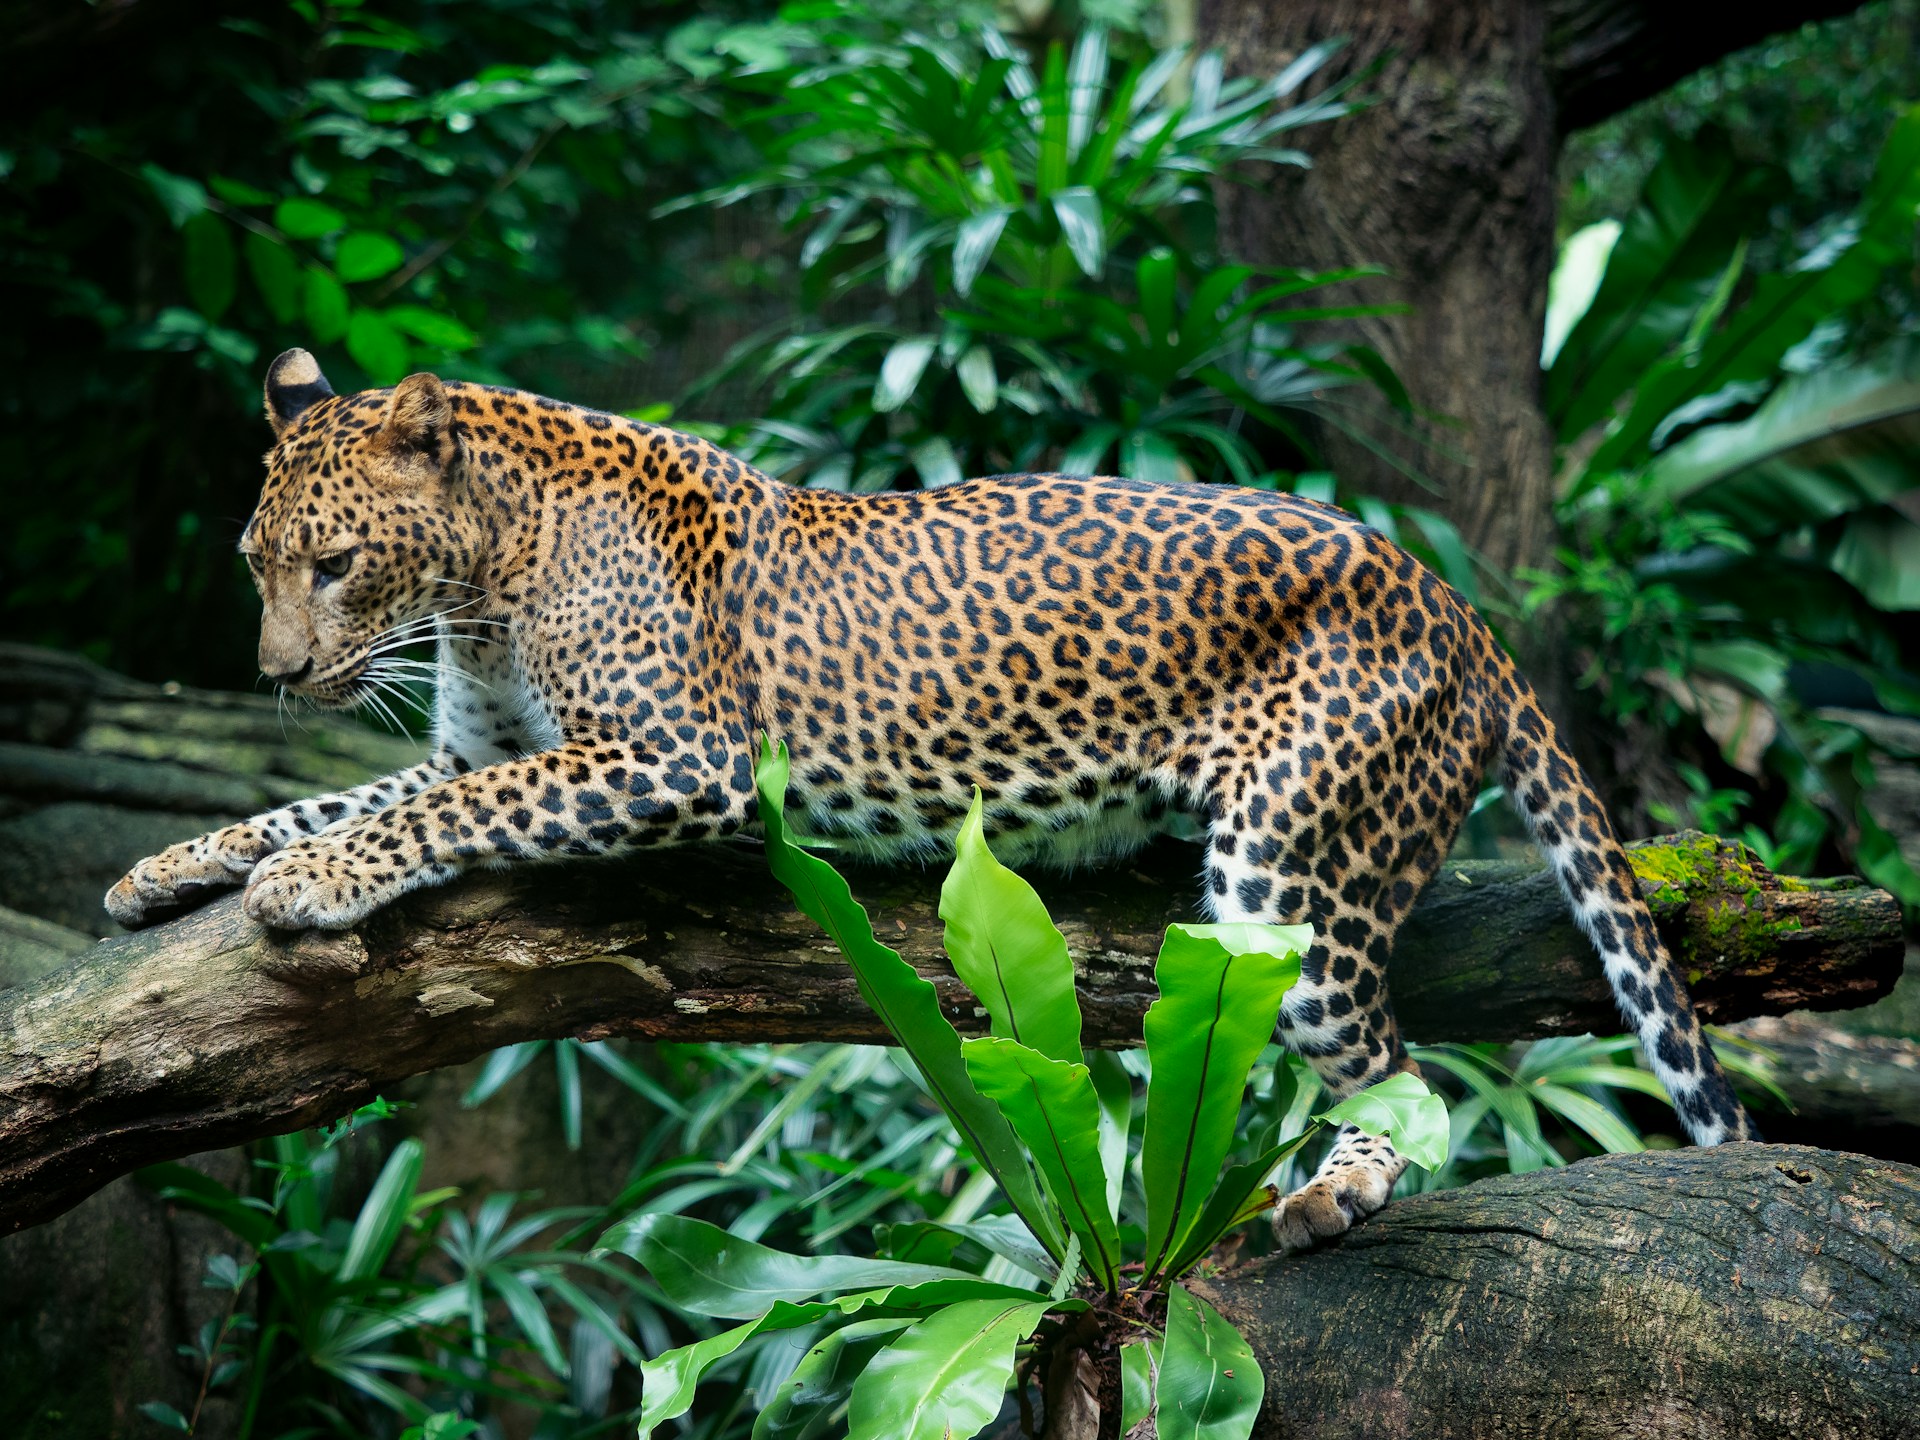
1751	1292
210	1031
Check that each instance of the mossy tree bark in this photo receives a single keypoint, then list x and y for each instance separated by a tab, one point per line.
211	1030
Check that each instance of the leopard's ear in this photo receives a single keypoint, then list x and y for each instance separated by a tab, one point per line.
419	420
294	384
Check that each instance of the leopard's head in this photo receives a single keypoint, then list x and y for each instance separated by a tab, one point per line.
363	534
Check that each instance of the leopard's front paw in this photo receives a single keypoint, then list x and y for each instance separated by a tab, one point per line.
311	886
183	875
1328	1206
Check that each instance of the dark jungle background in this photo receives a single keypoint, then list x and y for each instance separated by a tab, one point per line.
1695	511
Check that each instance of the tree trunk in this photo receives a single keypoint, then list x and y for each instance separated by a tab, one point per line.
1744	1292
1446	180
211	1030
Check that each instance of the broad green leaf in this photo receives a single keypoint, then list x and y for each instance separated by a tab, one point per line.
1053	1109
944	1379
1005	947
1670	255
1607	1129
1241	1194
900	372
1575	281
180	197
1148	455
668	1382
1402	1108
429	327
936	462
905	1001
1136	1384
1784	308
1081	225
367	255
1833	441
704	1269
973	246
384	1214
1155	276
808	1403
1878	553
162	1413
1004	1235
1220	993
211	266
326	306
304	219
1209	1386
276	273
380	349
1114	1089
978	379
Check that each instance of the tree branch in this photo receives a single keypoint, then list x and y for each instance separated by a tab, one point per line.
210	1031
1746	1291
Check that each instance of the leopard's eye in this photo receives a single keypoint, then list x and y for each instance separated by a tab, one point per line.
332	567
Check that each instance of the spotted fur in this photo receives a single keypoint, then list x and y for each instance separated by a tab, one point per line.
620	608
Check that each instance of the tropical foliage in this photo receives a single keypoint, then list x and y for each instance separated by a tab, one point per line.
906	1348
1028	262
1736	492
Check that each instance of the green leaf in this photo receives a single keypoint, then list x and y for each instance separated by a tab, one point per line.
900	372
704	1269
1078	210
668	1382
326	306
162	1413
1575	281
1584	1112
1155	276
180	197
1669	256
383	1216
1136	1385
429	327
1837	440
1210	1386
906	1003
379	348
1402	1107
1053	1109
1878	553
276	274
978	379
809	1401
367	255
936	462
1005	948
212	267
1783	308
1114	1089
304	219
1148	455
1220	993
1241	1194
973	246
944	1379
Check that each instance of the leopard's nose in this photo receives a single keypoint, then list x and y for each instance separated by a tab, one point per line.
291	677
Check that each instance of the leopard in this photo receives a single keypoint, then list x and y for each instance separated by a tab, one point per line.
619	611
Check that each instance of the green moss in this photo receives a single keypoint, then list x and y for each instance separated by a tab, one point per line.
1726	911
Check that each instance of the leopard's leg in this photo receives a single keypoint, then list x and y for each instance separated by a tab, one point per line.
583	798
183	875
1352	873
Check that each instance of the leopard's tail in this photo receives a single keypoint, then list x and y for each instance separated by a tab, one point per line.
1570	825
